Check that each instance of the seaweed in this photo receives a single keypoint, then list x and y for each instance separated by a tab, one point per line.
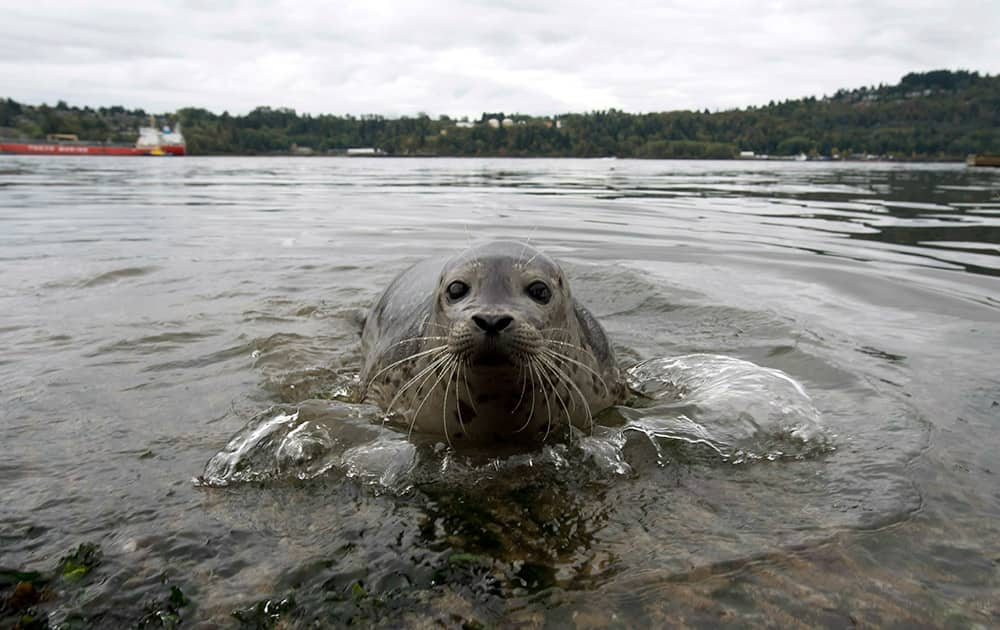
82	561
166	614
265	614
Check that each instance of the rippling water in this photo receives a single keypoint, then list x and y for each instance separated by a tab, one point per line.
834	328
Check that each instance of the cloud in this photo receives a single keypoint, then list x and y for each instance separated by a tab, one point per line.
462	58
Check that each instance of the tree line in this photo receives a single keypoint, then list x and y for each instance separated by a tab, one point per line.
931	115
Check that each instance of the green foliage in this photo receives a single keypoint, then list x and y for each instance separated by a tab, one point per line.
78	564
795	145
937	114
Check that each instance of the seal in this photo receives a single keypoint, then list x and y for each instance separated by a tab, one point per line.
487	346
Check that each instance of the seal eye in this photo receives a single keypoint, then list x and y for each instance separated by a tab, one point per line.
539	292
457	290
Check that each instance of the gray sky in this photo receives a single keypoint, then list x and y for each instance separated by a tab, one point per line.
397	57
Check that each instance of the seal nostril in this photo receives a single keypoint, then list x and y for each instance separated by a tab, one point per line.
482	323
492	324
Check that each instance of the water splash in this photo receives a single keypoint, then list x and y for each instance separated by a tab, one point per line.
734	410
740	410
310	440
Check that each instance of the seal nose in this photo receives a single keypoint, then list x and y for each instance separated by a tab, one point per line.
492	324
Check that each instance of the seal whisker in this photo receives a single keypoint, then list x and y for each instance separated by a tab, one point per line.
552	353
421	376
554	384
524	385
460	366
548	405
416	339
569	346
430	391
555	393
424	375
520	257
531	413
520	262
562	403
534	389
557	374
559	332
423	353
532	259
444	404
468	391
564	343
531	235
412	339
474	320
429	371
583	399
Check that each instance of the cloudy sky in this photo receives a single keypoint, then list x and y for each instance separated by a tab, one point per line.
398	57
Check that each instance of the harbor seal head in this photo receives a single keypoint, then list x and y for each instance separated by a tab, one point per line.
487	346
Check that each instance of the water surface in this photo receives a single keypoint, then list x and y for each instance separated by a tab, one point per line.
150	310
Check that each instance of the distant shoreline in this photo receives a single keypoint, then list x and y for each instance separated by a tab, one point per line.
936	116
782	160
772	160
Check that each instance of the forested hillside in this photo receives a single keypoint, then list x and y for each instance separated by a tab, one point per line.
933	115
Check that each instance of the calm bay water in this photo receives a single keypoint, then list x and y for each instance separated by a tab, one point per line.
151	309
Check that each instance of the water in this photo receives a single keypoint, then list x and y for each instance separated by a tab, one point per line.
817	342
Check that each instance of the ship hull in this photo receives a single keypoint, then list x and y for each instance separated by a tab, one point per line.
49	148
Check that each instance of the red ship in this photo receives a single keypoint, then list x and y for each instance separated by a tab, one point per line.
151	141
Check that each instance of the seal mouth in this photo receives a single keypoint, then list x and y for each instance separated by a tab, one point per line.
492	357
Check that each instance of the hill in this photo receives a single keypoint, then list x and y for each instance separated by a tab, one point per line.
938	115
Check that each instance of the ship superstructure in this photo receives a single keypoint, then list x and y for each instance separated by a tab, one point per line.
152	140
